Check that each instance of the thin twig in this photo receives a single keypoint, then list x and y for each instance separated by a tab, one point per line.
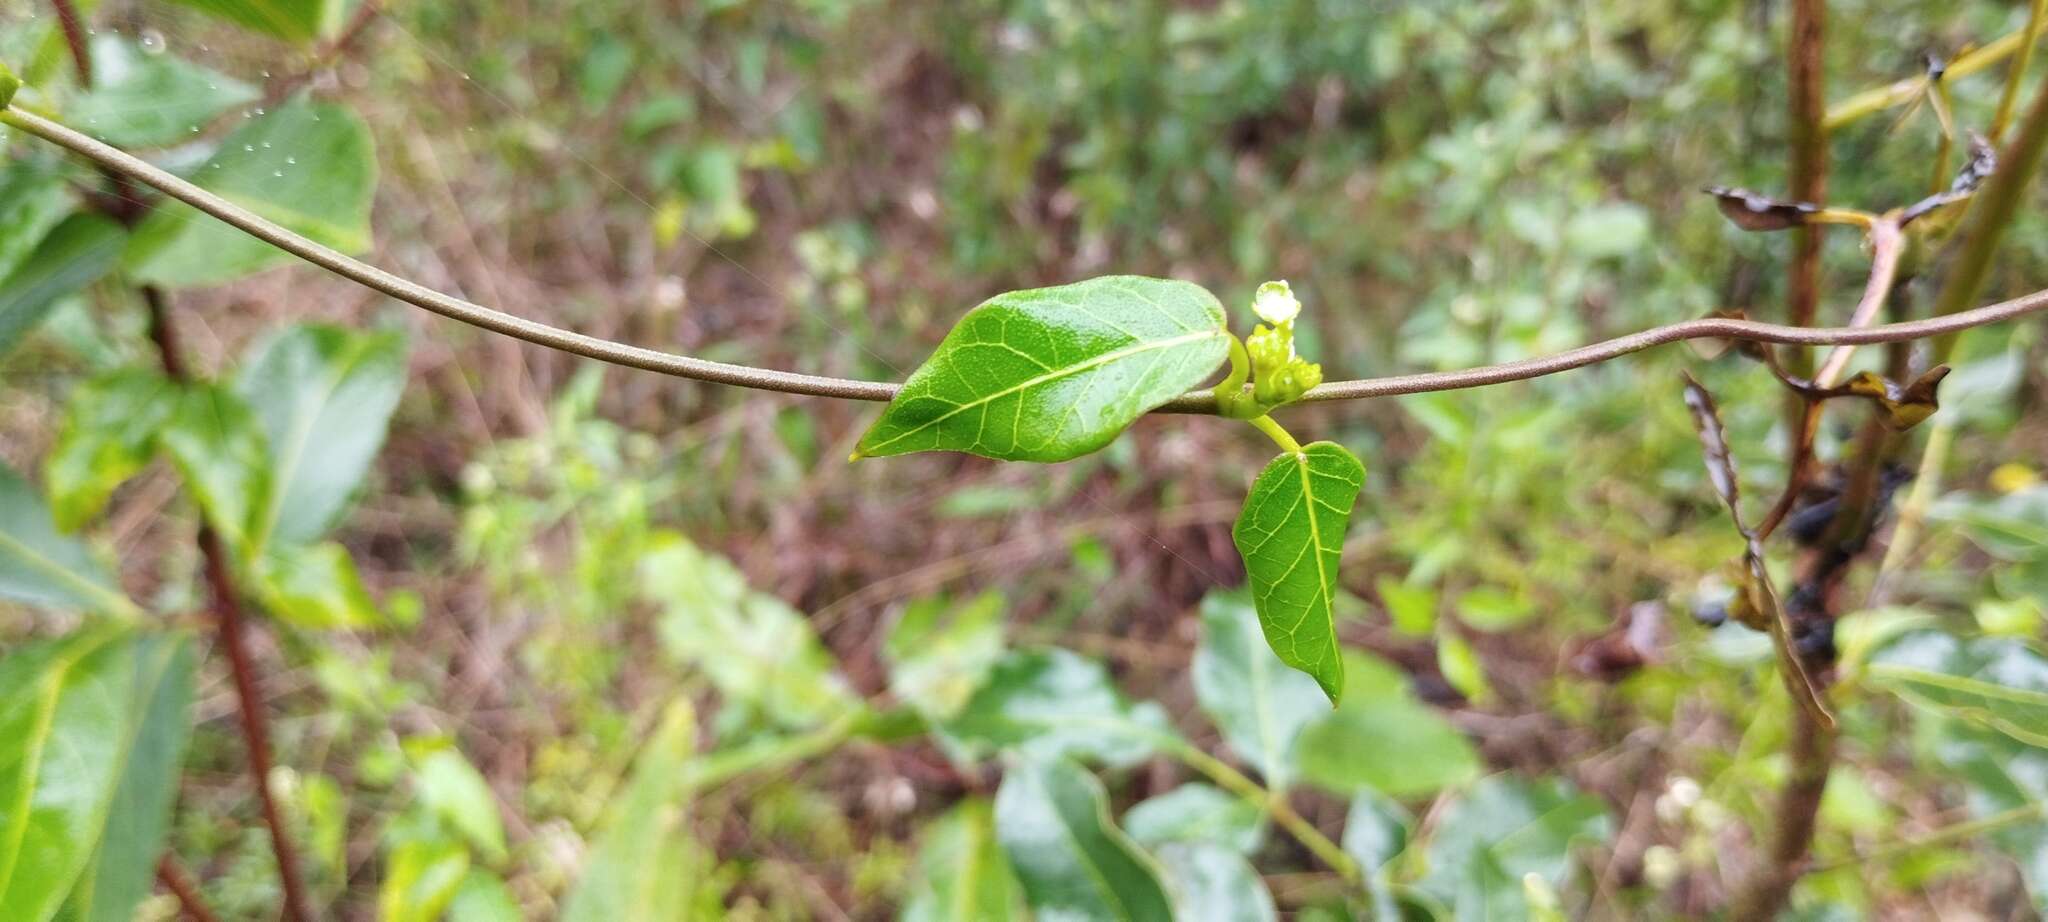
683	366
174	879
227	608
73	27
1900	92
2037	12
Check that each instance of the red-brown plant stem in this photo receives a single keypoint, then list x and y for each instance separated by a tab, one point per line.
227	608
181	886
73	28
1809	142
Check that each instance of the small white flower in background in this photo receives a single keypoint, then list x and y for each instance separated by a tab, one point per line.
1275	303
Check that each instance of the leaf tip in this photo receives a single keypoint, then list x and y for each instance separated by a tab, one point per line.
855	455
9	83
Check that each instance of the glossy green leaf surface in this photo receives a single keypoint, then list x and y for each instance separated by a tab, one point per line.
324	396
123	868
310	167
142	100
1291	535
1197	812
758	651
962	875
1210	883
214	441
75	743
1050	703
296	21
1051	374
33	200
1999	684
109	432
1260	705
1053	821
314	587
1501	829
1382	739
39	566
76	253
644	864
940	651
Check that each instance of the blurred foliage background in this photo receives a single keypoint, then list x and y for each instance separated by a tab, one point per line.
659	635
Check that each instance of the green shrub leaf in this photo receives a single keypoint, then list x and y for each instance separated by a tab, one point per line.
41	567
89	723
940	651
420	879
644	863
1260	705
1291	535
310	167
142	100
1502	829
123	869
324	396
1197	812
962	875
33	200
109	432
1053	821
315	587
75	254
295	21
1382	739
457	793
214	441
1211	883
1999	684
1051	374
1048	703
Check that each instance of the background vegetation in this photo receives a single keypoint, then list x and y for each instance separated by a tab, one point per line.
627	647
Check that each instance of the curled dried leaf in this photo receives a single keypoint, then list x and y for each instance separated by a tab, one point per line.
1706	418
1901	408
1753	211
1982	163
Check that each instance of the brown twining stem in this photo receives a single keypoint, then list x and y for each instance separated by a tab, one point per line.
73	28
1809	143
174	879
227	608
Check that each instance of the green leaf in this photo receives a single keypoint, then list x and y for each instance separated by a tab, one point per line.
324	396
1492	610
315	587
483	898
1502	829
1197	812
1053	821
77	741
2011	527
452	789
9	84
940	651
41	567
1375	832
1211	883
1260	705
420	878
33	200
1291	535
1050	703
310	167
108	434
137	820
295	21
1052	374
214	441
1382	739
75	254
1997	683
757	650
962	875
1411	607
143	100
645	864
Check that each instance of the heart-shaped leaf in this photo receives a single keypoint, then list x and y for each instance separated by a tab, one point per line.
1291	535
1053	821
1051	374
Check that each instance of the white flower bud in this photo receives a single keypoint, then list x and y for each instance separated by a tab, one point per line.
1275	303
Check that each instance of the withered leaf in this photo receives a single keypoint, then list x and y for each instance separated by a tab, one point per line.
1753	211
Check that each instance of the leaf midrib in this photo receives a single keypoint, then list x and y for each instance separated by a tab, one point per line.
49	689
113	602
1103	359
1315	536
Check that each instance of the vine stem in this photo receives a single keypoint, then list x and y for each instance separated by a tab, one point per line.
1202	402
174	879
1273	802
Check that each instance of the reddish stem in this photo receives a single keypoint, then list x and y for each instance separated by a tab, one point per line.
74	35
181	886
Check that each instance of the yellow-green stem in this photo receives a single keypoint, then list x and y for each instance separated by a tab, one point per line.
1273	431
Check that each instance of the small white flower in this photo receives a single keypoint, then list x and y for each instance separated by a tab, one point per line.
1275	303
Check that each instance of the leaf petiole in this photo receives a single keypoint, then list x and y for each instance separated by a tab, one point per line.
1272	429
